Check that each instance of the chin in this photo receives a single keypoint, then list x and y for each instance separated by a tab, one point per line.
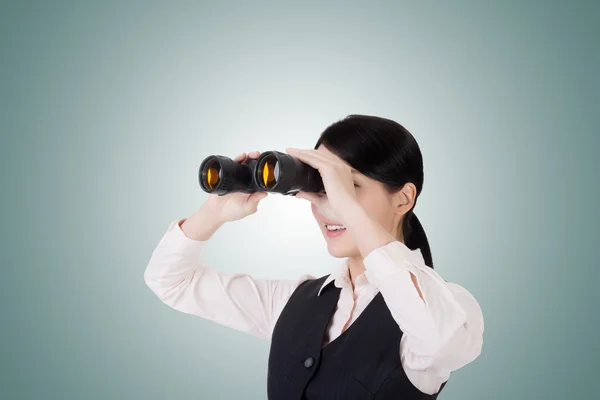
339	248
337	253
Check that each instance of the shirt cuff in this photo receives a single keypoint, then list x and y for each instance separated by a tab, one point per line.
385	261
176	238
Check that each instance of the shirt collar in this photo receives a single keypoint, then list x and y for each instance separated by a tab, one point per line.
340	276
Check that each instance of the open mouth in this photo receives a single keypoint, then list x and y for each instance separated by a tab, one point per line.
335	228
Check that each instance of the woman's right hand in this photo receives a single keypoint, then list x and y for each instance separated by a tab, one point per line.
237	205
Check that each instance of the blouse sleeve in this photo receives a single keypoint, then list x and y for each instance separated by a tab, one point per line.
443	331
180	279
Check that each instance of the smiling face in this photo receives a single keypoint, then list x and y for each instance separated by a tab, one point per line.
377	202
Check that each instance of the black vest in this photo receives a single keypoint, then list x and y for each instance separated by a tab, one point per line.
362	363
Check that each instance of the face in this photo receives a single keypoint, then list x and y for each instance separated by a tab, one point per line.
376	201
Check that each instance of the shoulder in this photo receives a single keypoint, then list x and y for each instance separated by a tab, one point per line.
309	283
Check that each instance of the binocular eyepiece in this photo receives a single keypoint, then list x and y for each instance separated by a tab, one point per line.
272	171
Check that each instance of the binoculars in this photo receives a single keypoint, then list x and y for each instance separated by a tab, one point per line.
272	171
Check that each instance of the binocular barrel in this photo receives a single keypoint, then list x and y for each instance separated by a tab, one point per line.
273	171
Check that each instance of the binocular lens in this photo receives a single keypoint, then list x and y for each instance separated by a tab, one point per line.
270	172
212	174
273	171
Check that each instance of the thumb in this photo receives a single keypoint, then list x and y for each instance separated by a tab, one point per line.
256	197
313	198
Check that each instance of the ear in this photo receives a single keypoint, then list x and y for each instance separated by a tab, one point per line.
404	199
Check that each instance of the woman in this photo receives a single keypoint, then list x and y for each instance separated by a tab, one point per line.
382	326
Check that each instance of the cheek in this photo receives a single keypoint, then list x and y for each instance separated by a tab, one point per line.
315	212
377	208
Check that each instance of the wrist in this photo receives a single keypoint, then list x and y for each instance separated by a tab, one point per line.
211	212
202	224
353	213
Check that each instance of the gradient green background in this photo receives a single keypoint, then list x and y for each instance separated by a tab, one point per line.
108	108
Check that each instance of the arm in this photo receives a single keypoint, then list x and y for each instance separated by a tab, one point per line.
443	329
179	278
442	322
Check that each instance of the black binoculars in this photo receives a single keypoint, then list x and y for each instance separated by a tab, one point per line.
272	171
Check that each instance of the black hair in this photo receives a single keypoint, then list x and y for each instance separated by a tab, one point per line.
385	151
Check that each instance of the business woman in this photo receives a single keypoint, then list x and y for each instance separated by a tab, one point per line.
384	325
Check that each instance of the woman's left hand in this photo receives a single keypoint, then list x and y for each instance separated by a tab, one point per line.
337	180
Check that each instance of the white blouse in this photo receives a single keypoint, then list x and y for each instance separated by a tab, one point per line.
441	334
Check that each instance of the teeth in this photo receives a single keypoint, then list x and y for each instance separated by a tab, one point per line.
334	227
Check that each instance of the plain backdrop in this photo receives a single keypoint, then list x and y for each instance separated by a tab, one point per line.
107	109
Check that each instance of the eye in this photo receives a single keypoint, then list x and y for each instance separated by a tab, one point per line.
356	184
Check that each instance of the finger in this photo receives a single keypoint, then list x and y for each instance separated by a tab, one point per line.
239	158
304	157
325	158
257	196
312	157
312	197
254	154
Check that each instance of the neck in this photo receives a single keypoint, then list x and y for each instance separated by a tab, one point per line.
355	267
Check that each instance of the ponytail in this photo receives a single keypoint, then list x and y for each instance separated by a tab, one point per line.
415	238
